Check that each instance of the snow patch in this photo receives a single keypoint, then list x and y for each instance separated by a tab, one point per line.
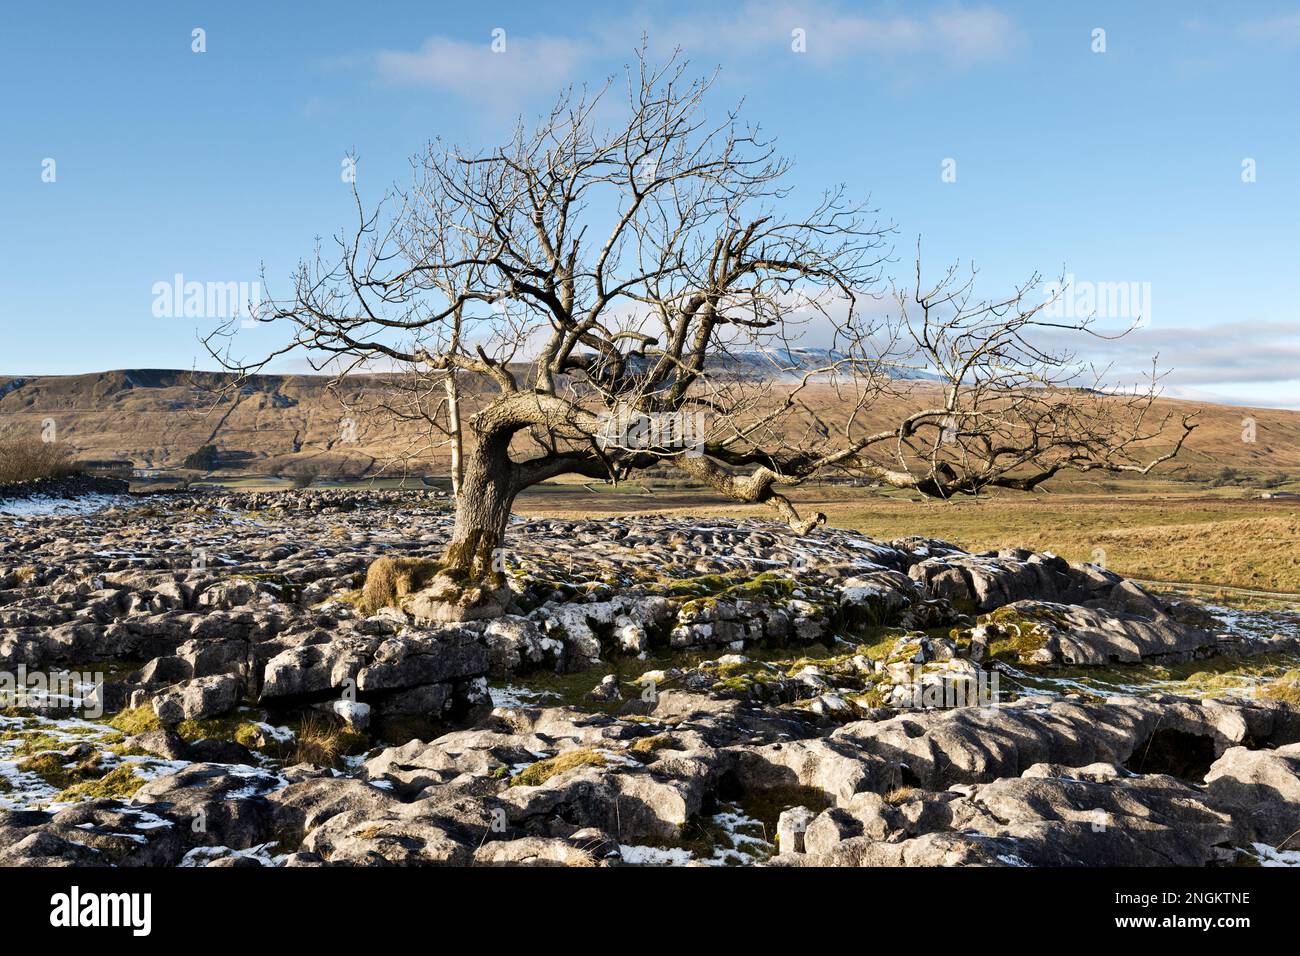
654	855
43	506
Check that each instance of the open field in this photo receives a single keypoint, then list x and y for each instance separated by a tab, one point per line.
1201	538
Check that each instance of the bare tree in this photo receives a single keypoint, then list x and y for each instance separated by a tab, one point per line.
596	294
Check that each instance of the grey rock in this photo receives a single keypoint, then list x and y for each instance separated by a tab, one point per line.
416	659
791	827
1260	791
198	699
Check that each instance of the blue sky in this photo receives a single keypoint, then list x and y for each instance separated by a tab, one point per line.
1120	166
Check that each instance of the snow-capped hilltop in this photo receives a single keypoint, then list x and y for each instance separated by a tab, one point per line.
793	363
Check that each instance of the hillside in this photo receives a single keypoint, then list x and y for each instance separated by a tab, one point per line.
155	419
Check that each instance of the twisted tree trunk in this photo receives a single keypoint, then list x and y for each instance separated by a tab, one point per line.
482	512
469	582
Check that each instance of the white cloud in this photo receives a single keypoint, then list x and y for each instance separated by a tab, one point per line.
1248	362
956	35
1282	31
473	70
977	35
1244	394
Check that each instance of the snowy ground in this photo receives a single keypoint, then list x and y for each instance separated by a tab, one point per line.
42	506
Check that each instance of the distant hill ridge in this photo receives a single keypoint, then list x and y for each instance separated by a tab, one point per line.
793	363
157	418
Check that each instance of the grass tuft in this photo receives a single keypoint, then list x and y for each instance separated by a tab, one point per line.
390	579
899	795
324	741
136	720
1286	688
544	770
121	783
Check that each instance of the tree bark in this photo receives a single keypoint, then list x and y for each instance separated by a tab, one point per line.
457	439
482	513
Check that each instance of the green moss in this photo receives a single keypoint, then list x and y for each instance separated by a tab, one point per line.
353	598
904	650
249	735
768	587
120	783
698	606
880	647
1212	683
136	720
1015	636
122	750
543	770
81	731
739	685
729	669
1286	688
877	695
58	771
50	767
5	785
703	584
214	728
34	742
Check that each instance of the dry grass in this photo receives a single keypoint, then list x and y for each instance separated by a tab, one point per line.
390	579
1285	688
324	741
648	745
544	770
1197	538
30	459
1245	544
